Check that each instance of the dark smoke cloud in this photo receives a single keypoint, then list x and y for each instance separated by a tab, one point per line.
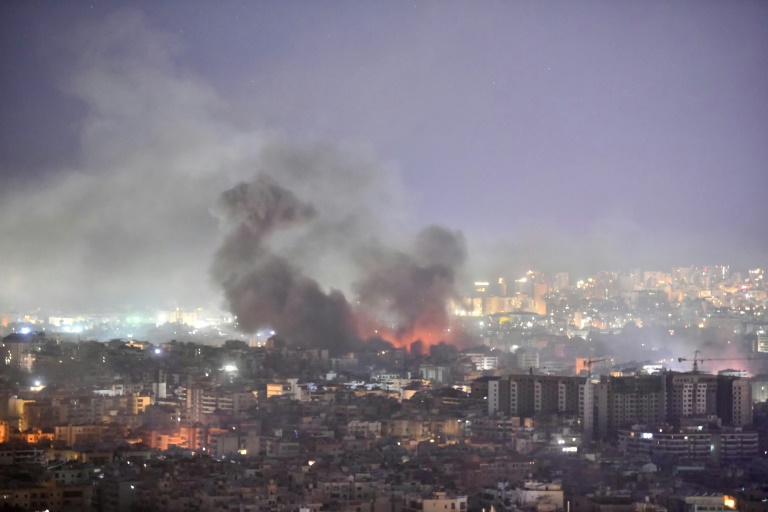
262	206
403	291
262	288
129	221
412	290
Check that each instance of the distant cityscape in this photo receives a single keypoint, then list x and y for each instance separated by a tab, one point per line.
302	256
624	391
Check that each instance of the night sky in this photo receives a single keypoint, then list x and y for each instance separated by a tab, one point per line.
567	136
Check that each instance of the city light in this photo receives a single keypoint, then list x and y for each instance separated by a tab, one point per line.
372	180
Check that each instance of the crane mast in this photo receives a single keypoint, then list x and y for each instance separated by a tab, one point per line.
697	360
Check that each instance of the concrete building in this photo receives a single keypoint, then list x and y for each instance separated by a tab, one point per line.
284	387
760	388
623	401
201	401
690	394
726	445
529	395
734	401
234	443
438	502
71	434
761	343
535	493
483	361
18	350
674	398
48	497
731	445
655	442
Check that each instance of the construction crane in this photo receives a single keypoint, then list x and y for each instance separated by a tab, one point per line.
696	359
589	362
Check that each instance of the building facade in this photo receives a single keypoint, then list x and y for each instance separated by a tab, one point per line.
531	395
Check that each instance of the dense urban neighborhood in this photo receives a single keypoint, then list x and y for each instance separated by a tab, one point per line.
552	408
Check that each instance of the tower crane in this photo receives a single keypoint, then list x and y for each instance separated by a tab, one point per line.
589	362
696	359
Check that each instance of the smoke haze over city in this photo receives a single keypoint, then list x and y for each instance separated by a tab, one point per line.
392	256
448	142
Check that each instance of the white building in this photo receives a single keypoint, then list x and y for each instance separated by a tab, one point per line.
441	502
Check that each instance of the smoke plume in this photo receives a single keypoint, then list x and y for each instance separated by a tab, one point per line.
262	288
299	232
399	294
412	290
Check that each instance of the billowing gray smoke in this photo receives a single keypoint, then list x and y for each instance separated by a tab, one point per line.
262	288
411	289
279	247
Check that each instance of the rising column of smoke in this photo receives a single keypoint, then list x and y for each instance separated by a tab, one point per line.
401	294
262	288
412	289
320	218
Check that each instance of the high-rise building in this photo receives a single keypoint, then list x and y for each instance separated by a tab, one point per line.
588	411
620	402
690	394
624	401
530	395
734	401
671	398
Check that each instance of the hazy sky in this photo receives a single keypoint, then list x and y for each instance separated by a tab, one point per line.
562	135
